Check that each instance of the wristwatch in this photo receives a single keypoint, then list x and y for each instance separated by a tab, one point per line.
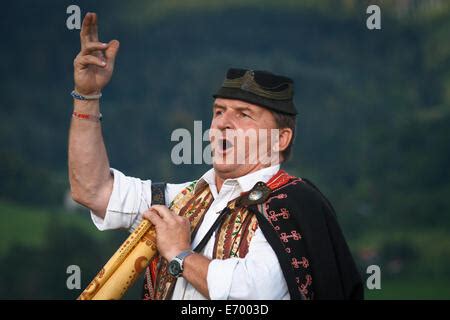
176	265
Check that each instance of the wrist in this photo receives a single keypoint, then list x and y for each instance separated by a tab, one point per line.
90	106
188	258
172	254
87	116
87	92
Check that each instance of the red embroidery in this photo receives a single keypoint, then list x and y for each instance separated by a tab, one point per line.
296	263
305	262
274	216
278	196
304	286
279	179
294	235
280	221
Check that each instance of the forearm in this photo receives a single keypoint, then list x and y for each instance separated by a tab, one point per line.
195	271
90	179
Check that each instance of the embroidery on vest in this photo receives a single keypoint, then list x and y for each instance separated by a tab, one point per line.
232	237
278	215
192	205
157	277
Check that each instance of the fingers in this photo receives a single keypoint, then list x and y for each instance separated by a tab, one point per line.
153	217
94	30
111	51
90	47
89	60
89	29
90	43
160	215
164	212
85	25
86	28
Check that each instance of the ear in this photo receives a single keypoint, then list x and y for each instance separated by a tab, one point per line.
284	139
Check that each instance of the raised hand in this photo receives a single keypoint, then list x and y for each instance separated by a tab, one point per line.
94	65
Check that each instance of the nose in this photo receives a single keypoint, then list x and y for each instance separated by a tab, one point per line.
224	121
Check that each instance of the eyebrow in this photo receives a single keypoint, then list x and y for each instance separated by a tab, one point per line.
217	106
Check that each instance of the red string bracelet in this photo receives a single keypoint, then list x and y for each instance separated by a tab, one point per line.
85	116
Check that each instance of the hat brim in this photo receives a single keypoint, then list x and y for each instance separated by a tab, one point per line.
283	106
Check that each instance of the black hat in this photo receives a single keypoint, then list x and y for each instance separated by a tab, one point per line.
259	87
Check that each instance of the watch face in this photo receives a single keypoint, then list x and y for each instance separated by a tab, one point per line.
174	268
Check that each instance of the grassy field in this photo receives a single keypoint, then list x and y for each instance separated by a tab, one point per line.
425	268
22	225
411	289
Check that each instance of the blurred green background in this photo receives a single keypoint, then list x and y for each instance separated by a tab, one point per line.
373	128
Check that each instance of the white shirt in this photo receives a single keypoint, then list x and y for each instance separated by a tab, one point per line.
256	276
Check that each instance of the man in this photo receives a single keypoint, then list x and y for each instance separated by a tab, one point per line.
245	229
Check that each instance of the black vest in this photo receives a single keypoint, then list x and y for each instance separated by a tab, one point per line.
300	224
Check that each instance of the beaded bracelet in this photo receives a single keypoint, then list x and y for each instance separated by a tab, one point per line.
79	96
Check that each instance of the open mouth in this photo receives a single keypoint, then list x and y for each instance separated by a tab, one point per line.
224	145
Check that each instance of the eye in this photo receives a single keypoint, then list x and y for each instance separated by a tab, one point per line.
218	112
244	115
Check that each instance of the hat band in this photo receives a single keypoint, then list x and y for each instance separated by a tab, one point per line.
247	83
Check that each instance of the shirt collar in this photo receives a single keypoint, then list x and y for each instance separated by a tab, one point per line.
246	182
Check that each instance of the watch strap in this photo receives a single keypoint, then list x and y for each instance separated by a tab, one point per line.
182	255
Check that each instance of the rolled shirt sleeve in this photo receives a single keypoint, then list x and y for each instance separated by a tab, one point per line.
257	276
129	199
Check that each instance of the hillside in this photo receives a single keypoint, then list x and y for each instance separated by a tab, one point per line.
374	122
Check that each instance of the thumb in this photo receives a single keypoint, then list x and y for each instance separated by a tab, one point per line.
111	52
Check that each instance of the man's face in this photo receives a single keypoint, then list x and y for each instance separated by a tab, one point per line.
242	137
